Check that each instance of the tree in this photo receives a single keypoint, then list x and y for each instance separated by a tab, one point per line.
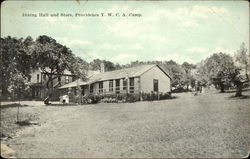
238	81
219	69
15	67
15	62
118	66
175	71
79	67
96	65
136	63
243	58
187	76
53	59
109	66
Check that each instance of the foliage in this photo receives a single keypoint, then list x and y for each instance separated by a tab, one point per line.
79	67
53	59
175	71
109	66
218	69
20	56
154	96
238	81
50	56
15	63
188	77
95	64
18	88
133	97
243	58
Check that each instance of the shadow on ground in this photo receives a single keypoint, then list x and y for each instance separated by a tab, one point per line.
234	91
26	123
241	97
172	97
13	105
62	105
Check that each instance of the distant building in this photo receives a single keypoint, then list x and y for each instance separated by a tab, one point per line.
37	83
145	78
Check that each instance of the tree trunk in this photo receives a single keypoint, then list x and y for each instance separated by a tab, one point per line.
49	88
239	87
47	99
222	88
19	104
17	117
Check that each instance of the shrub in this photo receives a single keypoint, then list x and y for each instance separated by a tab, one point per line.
133	97
180	90
114	98
155	96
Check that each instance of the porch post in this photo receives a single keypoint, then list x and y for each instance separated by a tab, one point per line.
89	88
127	81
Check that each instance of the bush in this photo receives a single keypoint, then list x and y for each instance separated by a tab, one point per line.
114	98
165	96
155	96
180	90
133	98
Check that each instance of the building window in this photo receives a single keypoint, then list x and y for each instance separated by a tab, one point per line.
124	84
117	86
37	77
75	91
91	88
111	85
66	79
101	86
132	85
83	92
156	85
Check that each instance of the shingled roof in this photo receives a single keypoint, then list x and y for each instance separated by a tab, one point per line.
116	74
122	73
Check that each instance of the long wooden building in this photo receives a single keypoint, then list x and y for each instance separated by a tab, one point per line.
145	78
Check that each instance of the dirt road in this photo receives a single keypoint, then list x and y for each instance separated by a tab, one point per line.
207	125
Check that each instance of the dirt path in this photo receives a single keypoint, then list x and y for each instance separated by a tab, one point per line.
208	125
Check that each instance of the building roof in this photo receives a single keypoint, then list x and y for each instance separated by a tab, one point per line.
116	74
122	73
74	84
80	82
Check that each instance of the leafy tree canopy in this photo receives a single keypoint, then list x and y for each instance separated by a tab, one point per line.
15	63
243	58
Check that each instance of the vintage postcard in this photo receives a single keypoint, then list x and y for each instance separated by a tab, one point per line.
125	79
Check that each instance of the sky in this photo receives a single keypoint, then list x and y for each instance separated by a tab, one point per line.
161	30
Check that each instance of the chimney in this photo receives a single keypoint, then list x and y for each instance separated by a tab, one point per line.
102	67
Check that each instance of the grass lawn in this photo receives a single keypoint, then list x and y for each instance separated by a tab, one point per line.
208	125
